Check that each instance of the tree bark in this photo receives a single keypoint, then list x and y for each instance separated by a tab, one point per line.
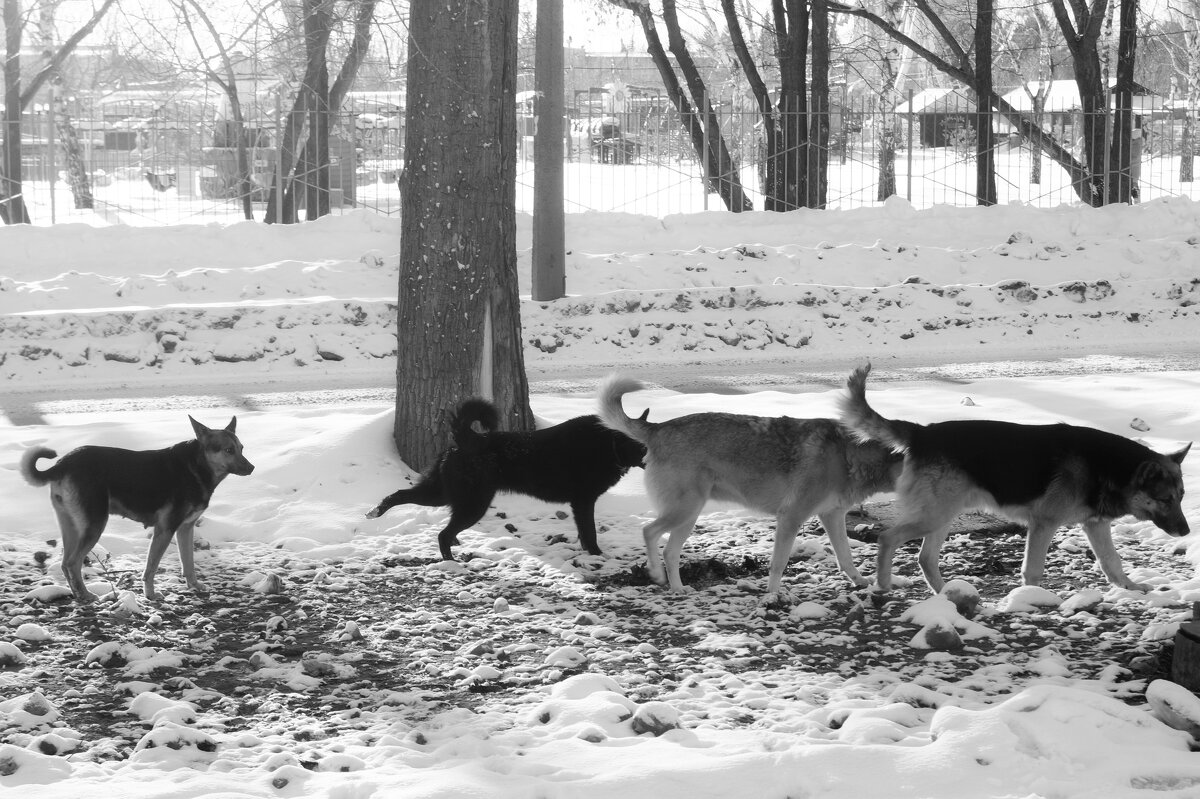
985	135
1121	188
459	330
12	190
788	173
817	171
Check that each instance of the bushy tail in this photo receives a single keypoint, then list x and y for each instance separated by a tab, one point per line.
613	415
469	412
29	470
863	420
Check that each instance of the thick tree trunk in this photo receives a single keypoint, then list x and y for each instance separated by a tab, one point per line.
985	136
1121	188
787	173
12	190
459	328
818	130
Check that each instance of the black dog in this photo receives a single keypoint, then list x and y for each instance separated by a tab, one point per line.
573	462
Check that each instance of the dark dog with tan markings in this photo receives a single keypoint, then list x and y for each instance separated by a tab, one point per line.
576	462
792	469
1046	476
166	489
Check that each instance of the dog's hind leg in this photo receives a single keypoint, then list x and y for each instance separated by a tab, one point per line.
1037	543
928	557
931	531
1099	535
78	537
834	522
427	492
584	511
677	521
463	514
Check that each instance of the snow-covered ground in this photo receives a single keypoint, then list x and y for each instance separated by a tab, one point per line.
232	306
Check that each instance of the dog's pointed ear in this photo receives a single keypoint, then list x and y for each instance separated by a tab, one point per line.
232	426
199	429
1148	472
645	415
1179	456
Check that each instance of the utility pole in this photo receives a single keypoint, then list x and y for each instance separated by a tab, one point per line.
549	240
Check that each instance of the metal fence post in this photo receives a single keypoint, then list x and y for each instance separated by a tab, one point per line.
52	169
909	176
279	158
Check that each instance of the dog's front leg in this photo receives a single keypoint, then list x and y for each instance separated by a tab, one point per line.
1099	535
184	539
159	542
834	522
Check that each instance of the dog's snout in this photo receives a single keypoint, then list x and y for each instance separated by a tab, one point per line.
244	468
1173	524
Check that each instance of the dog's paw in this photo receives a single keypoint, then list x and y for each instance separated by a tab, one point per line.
778	600
374	513
198	587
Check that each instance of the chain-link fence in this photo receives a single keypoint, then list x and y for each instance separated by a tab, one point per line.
175	163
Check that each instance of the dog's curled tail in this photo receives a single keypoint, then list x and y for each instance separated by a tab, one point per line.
29	470
613	414
865	422
468	413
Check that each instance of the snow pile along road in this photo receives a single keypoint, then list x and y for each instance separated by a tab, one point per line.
774	287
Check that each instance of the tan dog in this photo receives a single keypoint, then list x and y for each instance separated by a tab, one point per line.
792	469
166	489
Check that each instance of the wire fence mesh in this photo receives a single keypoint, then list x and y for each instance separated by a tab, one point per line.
171	164
175	164
640	159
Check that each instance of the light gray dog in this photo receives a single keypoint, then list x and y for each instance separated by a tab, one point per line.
790	468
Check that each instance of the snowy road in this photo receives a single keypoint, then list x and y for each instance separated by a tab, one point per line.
31	404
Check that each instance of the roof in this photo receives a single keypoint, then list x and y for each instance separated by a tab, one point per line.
939	101
1063	95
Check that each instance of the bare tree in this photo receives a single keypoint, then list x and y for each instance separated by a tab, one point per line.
1181	39
1082	179
459	331
223	75
65	134
1027	52
17	99
697	116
